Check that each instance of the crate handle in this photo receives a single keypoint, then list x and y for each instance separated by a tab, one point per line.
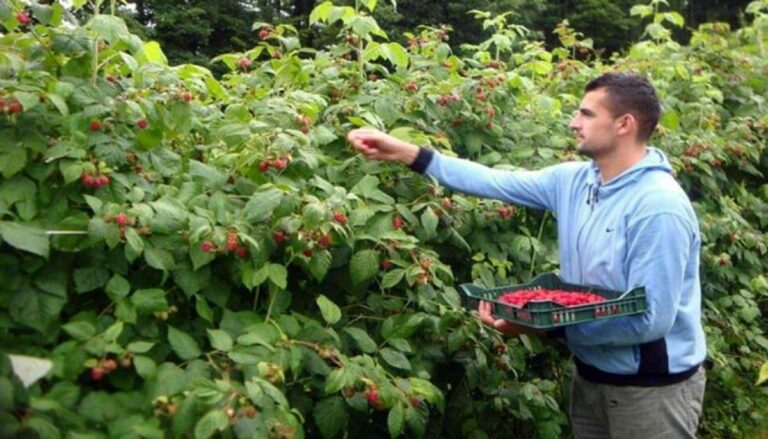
623	294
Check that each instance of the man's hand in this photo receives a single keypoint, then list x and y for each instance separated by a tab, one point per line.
375	144
503	326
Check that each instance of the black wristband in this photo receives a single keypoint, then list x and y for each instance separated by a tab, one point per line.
422	161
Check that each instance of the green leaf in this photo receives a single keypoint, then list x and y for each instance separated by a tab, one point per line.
159	259
183	344
364	265
80	330
152	53
320	13
108	27
145	366
149	300
395	358
213	421
429	221
330	311
25	238
363	340
90	278
763	376
261	204
331	416
139	347
118	286
319	264
396	421
392	278
114	331
399	55
670	120
278	275
135	242
12	161
220	340
170	380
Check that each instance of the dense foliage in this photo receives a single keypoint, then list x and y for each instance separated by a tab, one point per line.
203	29
202	256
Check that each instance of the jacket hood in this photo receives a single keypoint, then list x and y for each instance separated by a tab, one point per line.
654	160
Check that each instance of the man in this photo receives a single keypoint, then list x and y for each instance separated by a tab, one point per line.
623	222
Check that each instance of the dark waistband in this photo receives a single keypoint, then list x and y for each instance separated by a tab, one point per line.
591	373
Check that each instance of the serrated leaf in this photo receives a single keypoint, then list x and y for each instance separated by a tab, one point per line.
139	347
395	358
149	300
319	264
396	421
278	275
90	278
29	239
763	376
118	286
364	265
183	344
159	259
220	340
145	366
429	222
331	416
392	278
213	421
79	330
363	340
330	311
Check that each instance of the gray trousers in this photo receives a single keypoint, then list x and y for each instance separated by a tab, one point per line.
629	412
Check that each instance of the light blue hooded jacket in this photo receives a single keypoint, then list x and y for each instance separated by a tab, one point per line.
637	229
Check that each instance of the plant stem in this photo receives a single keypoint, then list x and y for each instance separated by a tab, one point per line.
538	239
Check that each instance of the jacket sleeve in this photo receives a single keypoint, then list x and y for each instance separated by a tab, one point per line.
658	249
536	189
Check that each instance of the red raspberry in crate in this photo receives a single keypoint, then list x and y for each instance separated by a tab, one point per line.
564	298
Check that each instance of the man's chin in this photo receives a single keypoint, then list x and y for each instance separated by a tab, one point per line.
584	150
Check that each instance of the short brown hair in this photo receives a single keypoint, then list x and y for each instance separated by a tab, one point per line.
633	94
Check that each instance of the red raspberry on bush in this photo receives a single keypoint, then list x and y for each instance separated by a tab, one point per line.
241	252
372	396
15	108
340	218
95	125
97	373
385	264
279	236
232	243
121	219
264	166
23	18
307	252
244	63
397	222
324	241
206	246
142	123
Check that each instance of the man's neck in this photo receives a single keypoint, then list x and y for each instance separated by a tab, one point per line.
619	160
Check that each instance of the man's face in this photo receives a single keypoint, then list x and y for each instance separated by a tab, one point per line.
594	125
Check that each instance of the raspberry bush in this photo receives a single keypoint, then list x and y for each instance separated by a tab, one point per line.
204	256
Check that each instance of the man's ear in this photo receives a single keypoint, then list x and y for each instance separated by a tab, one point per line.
626	124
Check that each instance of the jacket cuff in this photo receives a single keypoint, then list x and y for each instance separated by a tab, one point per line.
422	161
